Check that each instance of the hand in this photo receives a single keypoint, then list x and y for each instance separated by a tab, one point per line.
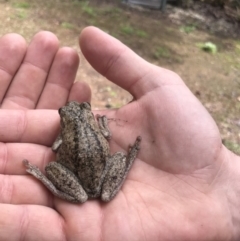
183	186
40	76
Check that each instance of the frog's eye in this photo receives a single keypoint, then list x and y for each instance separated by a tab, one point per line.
59	111
86	105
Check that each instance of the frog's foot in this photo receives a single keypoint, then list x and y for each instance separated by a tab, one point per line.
118	170
103	126
76	196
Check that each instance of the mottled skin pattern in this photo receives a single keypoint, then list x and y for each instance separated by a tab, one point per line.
84	168
84	150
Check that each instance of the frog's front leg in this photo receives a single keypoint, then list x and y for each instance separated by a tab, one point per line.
119	167
57	143
60	181
103	126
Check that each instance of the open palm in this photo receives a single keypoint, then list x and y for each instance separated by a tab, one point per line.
176	189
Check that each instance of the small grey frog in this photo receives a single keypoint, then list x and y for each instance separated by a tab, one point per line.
84	167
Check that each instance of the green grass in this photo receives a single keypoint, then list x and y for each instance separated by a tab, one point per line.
89	10
188	28
21	14
111	11
127	29
161	52
24	5
141	34
67	25
234	147
208	47
237	47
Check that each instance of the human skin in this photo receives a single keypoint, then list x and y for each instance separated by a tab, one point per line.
184	185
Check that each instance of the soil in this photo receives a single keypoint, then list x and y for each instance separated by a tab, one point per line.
161	38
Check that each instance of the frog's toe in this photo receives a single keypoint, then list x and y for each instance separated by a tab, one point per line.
107	195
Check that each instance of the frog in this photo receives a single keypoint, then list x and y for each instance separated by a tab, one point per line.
84	168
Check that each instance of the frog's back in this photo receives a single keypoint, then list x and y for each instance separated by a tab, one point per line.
92	156
85	151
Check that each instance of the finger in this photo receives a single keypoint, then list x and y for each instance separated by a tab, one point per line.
12	155
30	79
60	79
33	222
30	222
17	186
77	226
120	64
29	126
24	189
80	92
12	51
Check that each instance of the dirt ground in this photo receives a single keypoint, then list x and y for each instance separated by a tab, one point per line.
213	78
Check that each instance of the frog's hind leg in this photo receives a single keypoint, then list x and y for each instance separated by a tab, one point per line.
59	181
118	169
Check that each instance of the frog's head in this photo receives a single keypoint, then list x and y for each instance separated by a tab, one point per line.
74	112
